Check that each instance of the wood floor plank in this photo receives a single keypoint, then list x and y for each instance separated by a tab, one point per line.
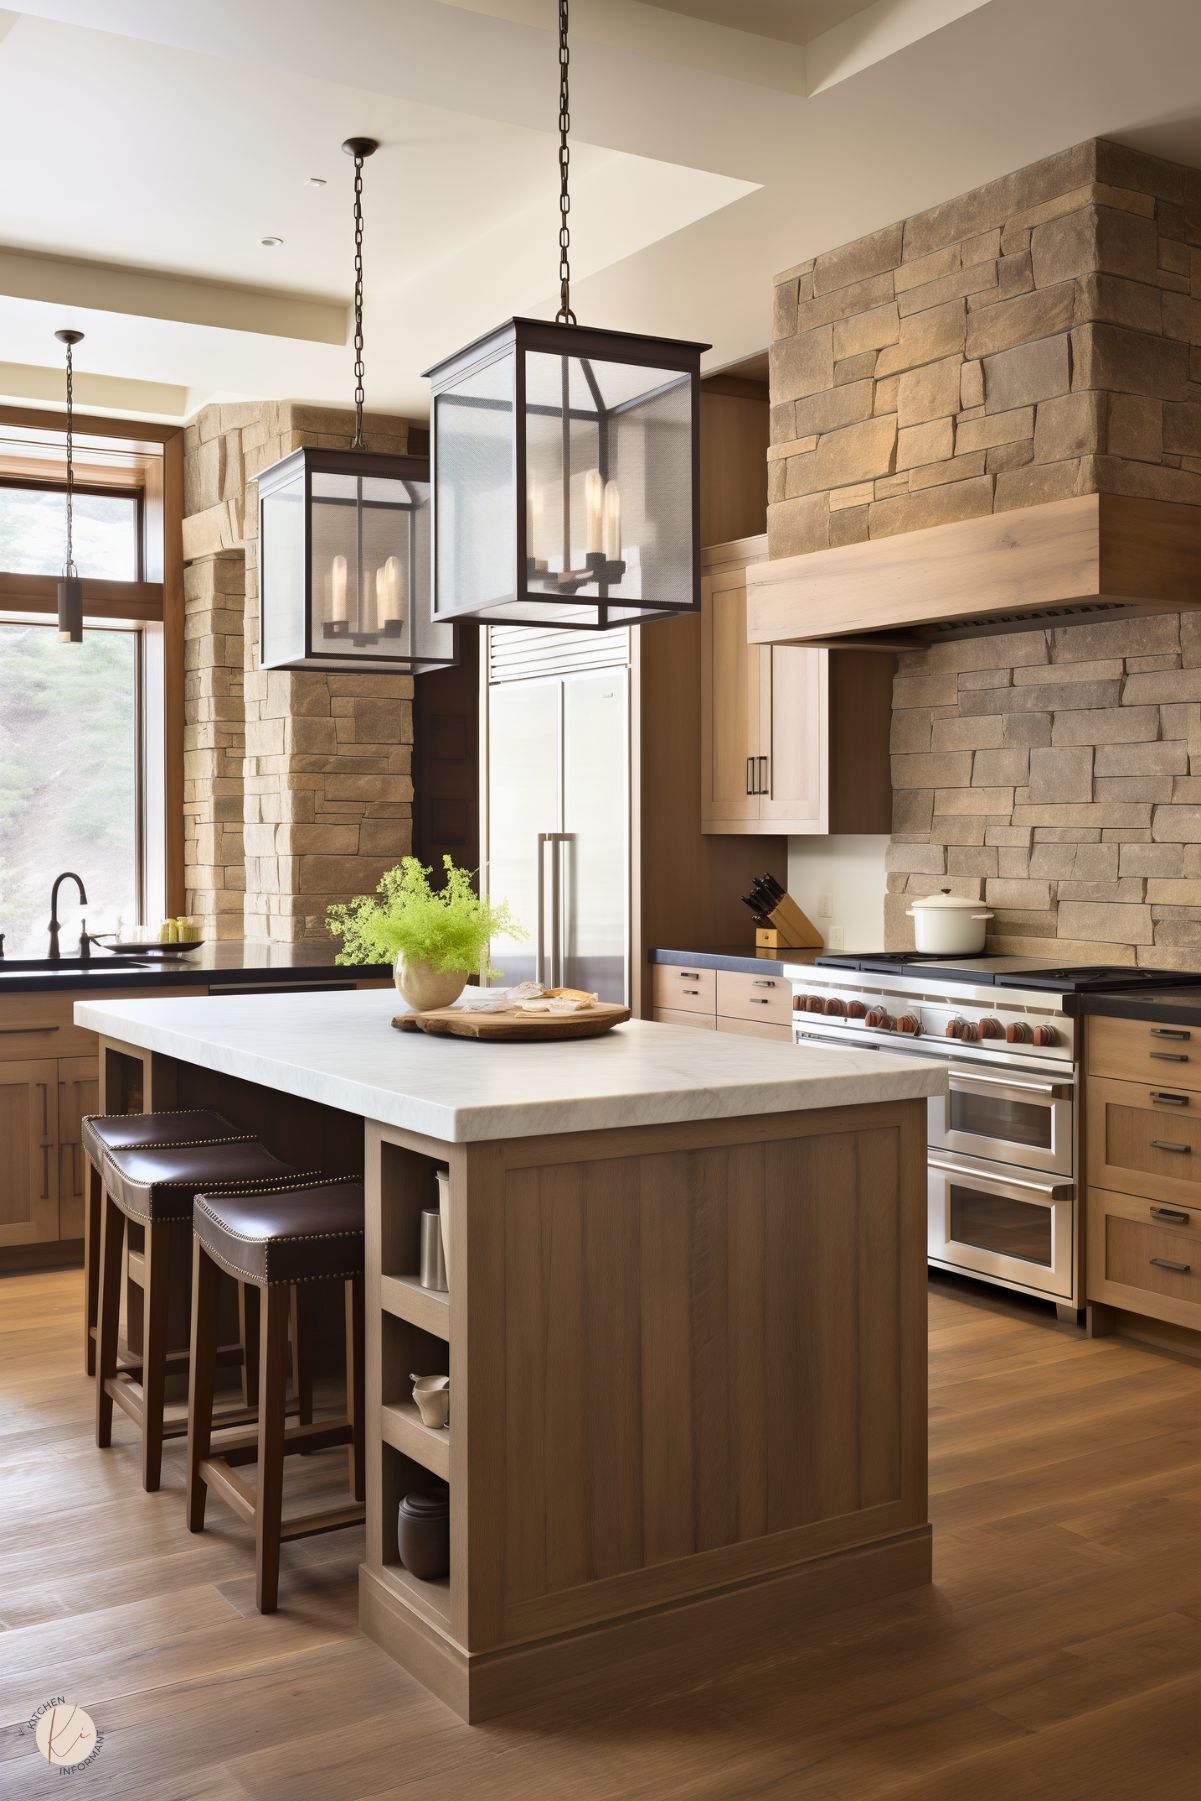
1052	1656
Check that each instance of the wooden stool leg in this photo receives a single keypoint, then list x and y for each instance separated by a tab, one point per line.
112	1239
354	1385
302	1355
202	1368
91	1266
248	1337
154	1350
273	1375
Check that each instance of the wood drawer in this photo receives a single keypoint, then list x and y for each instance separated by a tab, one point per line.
683	989
755	1028
1145	1050
43	1025
674	1016
1140	1141
1140	1259
754	997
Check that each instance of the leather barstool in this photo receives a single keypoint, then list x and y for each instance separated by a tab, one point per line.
275	1237
113	1131
154	1186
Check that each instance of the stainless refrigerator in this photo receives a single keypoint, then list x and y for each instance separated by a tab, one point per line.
555	775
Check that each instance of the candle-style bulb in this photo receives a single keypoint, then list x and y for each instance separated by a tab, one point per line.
612	523
594	489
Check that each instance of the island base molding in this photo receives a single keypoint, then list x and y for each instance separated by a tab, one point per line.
671	1643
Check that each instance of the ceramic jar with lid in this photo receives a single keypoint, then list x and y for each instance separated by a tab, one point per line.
945	925
423	1532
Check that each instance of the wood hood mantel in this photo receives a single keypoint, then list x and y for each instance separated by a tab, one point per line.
1061	560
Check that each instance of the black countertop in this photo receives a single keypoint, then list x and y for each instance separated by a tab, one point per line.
743	958
214	965
1173	1006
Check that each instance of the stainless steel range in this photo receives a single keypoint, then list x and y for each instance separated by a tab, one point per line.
1003	1141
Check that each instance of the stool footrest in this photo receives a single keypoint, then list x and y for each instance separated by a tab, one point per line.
322	1435
333	1519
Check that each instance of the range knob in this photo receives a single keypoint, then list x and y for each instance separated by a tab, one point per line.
856	1010
1046	1035
991	1028
910	1024
956	1028
882	1021
1019	1033
835	1008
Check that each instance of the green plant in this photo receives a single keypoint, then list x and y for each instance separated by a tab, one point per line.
448	928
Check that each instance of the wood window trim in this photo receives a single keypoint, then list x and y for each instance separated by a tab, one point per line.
156	600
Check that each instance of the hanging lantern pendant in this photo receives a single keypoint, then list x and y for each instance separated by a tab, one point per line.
70	588
566	464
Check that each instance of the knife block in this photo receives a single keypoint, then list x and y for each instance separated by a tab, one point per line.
790	929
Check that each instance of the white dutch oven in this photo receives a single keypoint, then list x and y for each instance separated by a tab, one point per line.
946	926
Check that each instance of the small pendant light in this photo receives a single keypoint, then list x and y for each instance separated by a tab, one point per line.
70	588
566	464
344	549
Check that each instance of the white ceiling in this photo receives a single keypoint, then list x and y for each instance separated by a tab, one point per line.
714	142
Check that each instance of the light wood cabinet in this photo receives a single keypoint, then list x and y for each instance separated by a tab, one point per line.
78	1095
28	1152
792	740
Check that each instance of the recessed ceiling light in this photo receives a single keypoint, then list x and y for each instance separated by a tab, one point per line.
315	181
271	243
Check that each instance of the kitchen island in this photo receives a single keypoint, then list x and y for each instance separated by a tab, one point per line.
685	1327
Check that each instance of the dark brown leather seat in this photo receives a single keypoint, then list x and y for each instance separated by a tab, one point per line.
115	1131
159	1182
296	1232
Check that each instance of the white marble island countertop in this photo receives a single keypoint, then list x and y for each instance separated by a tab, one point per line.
340	1050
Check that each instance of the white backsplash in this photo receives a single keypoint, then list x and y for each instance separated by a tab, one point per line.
839	883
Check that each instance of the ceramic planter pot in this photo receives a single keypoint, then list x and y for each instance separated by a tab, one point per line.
947	926
425	988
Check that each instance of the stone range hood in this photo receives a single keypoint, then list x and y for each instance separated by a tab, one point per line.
989	414
1097	554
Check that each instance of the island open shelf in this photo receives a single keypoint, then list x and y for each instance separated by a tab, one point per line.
685	1326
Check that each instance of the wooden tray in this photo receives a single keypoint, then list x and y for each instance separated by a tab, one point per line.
458	1022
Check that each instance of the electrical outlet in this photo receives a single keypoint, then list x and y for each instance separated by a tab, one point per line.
824	906
834	939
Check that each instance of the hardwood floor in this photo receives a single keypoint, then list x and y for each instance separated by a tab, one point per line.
1056	1654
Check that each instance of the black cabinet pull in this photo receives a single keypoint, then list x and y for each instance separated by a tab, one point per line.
689	975
1170	1032
1177	1269
757	1001
1168	1100
750	764
763	781
1165	1144
1169	1056
1177	1215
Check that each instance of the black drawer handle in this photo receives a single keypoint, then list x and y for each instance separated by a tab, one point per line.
757	1001
1169	1056
1165	1144
762	982
1177	1215
27	1031
689	990
690	975
1177	1269
1168	1100
1170	1032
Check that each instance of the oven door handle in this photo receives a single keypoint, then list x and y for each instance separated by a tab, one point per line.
971	1075
1054	1191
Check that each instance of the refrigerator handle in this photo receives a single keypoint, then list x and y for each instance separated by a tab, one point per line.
540	940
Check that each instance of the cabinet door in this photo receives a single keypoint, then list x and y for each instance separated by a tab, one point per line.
78	1093
28	1152
730	699
794	735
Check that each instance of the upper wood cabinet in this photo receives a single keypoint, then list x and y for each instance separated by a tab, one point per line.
792	740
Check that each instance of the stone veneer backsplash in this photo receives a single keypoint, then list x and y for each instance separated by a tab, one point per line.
1055	775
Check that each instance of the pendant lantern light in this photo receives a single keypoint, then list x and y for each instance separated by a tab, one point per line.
70	588
344	544
566	464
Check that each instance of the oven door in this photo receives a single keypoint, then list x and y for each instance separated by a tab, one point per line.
1014	1116
1013	1226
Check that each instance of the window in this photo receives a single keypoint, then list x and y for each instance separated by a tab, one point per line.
105	529
69	778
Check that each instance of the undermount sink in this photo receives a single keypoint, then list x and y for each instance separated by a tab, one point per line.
20	966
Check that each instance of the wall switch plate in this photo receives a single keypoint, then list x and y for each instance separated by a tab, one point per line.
834	938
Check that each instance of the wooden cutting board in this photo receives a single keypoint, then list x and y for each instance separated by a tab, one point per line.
513	1026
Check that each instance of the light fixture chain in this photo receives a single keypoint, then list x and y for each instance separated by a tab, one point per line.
564	316
359	366
70	564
